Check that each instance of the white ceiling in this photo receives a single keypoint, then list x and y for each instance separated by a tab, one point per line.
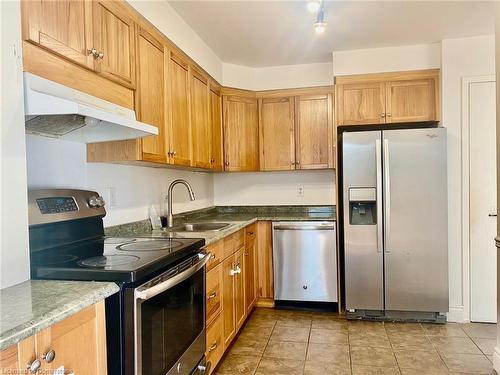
267	33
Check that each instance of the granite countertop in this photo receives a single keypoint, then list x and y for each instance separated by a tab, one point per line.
33	305
239	217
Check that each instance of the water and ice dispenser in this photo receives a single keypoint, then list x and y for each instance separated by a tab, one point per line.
363	206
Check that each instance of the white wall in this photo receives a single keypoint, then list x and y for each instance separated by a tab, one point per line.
14	255
277	77
168	21
275	188
54	164
460	58
388	59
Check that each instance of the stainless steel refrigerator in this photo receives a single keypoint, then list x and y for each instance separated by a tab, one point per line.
394	197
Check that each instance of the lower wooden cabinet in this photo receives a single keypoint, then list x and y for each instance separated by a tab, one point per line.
215	342
78	343
264	264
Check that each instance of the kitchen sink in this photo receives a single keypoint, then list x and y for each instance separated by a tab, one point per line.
199	227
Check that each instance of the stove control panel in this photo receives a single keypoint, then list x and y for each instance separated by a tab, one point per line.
56	205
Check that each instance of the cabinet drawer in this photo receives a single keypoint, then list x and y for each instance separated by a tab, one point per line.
234	242
215	347
217	250
250	233
214	292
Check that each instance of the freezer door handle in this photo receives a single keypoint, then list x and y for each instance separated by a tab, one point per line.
387	198
378	154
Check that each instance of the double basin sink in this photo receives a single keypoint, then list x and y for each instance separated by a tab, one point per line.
199	227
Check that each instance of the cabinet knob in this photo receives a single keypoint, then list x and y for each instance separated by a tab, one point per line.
213	295
49	356
389	114
174	153
34	366
212	160
382	115
226	163
100	55
212	256
297	163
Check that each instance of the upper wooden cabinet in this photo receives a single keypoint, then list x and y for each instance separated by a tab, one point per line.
63	27
216	124
150	96
277	134
241	133
114	33
99	35
201	126
179	106
388	98
314	144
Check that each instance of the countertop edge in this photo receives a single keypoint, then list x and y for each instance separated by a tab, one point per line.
104	290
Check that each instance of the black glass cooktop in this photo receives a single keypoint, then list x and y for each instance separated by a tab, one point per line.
111	258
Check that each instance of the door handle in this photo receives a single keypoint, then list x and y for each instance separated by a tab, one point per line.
378	156
492	215
387	202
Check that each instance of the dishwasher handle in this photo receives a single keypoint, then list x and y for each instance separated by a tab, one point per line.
304	227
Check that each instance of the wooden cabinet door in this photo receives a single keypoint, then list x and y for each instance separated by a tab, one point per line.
276	134
201	130
150	94
213	292
114	37
180	121
249	275
361	103
264	260
79	342
314	140
15	358
228	266
241	134
216	123
215	342
410	101
239	289
63	27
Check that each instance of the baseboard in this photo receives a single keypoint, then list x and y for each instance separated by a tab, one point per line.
496	358
265	302
456	314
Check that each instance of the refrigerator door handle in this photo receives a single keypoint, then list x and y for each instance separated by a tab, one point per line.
387	197
378	154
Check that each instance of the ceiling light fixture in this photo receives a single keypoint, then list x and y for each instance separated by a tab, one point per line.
320	24
313	6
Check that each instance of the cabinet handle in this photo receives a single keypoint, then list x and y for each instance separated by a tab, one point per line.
226	163
213	347
100	55
93	52
297	162
382	115
234	271
389	114
49	356
492	215
212	256
174	153
212	160
213	295
250	233
34	366
246	254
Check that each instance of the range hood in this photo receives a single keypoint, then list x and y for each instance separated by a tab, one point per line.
57	111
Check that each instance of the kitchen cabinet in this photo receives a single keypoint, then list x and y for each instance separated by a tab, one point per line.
179	106
114	39
249	274
239	288
386	98
314	142
241	133
99	35
201	125
215	344
264	264
228	297
78	343
216	125
214	293
277	134
150	97
361	103
62	27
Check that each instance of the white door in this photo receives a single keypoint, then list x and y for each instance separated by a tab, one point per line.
482	207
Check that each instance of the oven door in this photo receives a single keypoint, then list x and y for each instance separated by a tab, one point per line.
169	320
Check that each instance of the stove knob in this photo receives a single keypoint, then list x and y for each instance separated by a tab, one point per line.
96	202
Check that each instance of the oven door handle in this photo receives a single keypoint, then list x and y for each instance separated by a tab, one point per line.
147	293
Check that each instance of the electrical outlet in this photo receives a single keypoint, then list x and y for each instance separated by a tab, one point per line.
300	191
112	197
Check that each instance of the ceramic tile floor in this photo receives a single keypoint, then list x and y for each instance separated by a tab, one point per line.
275	342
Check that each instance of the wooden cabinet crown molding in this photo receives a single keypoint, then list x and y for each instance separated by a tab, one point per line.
387	76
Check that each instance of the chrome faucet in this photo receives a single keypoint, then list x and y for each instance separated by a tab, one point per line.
170	217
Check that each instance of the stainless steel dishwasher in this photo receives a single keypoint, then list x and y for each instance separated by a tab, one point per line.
305	261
